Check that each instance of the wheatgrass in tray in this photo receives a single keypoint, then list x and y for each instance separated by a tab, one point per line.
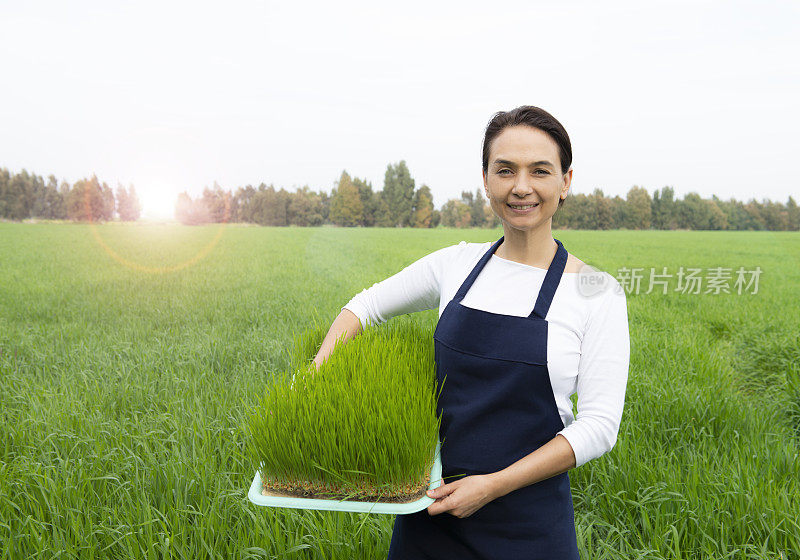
364	427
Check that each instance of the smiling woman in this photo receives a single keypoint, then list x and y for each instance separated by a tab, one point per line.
514	342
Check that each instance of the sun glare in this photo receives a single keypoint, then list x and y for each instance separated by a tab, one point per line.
158	201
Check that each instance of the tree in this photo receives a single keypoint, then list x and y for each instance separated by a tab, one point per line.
5	195
490	219
272	206
398	192
774	215
346	206
423	207
244	202
737	216
128	206
476	205
601	210
54	204
664	209
577	212
189	212
619	212
383	216
217	203
326	206
368	201
755	219
436	218
17	204
88	200
792	214
639	211
455	213
305	208
38	197
717	219
136	206
693	212
122	203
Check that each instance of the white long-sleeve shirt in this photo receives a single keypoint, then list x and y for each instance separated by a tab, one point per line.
588	345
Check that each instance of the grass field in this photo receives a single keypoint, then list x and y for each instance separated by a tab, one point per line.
125	378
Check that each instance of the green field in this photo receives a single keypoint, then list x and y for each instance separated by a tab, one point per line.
125	378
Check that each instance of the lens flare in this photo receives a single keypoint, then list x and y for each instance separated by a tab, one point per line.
156	269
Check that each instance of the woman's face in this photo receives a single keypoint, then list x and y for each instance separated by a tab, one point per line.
524	169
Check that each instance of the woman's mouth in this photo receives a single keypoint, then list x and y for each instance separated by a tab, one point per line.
522	208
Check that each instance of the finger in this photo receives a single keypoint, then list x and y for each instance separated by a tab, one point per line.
438	507
442	491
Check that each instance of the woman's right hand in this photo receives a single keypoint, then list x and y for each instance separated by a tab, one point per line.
344	327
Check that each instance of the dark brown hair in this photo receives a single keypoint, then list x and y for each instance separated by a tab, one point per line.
533	117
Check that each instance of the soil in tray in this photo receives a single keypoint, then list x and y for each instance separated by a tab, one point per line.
309	491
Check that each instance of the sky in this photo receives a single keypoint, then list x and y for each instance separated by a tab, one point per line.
173	96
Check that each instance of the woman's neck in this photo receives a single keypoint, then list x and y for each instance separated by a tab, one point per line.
534	248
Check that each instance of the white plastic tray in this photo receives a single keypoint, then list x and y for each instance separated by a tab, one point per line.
257	498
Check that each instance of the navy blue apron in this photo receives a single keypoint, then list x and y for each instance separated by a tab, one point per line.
497	406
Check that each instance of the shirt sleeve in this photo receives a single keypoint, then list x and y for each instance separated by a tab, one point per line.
602	377
415	288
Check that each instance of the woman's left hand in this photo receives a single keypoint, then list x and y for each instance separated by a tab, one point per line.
464	496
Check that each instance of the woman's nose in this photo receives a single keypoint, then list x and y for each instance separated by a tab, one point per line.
522	186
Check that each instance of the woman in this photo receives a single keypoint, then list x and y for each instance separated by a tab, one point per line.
518	334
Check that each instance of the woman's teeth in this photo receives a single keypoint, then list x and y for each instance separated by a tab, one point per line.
518	207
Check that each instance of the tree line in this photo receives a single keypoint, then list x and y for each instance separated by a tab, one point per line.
25	195
662	210
354	202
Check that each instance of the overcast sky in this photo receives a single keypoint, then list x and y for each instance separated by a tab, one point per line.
171	96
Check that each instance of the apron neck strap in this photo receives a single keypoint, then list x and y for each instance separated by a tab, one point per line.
467	283
549	285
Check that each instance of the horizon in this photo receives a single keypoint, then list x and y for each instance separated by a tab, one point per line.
654	95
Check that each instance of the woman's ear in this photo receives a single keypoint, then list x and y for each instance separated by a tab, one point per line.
567	183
